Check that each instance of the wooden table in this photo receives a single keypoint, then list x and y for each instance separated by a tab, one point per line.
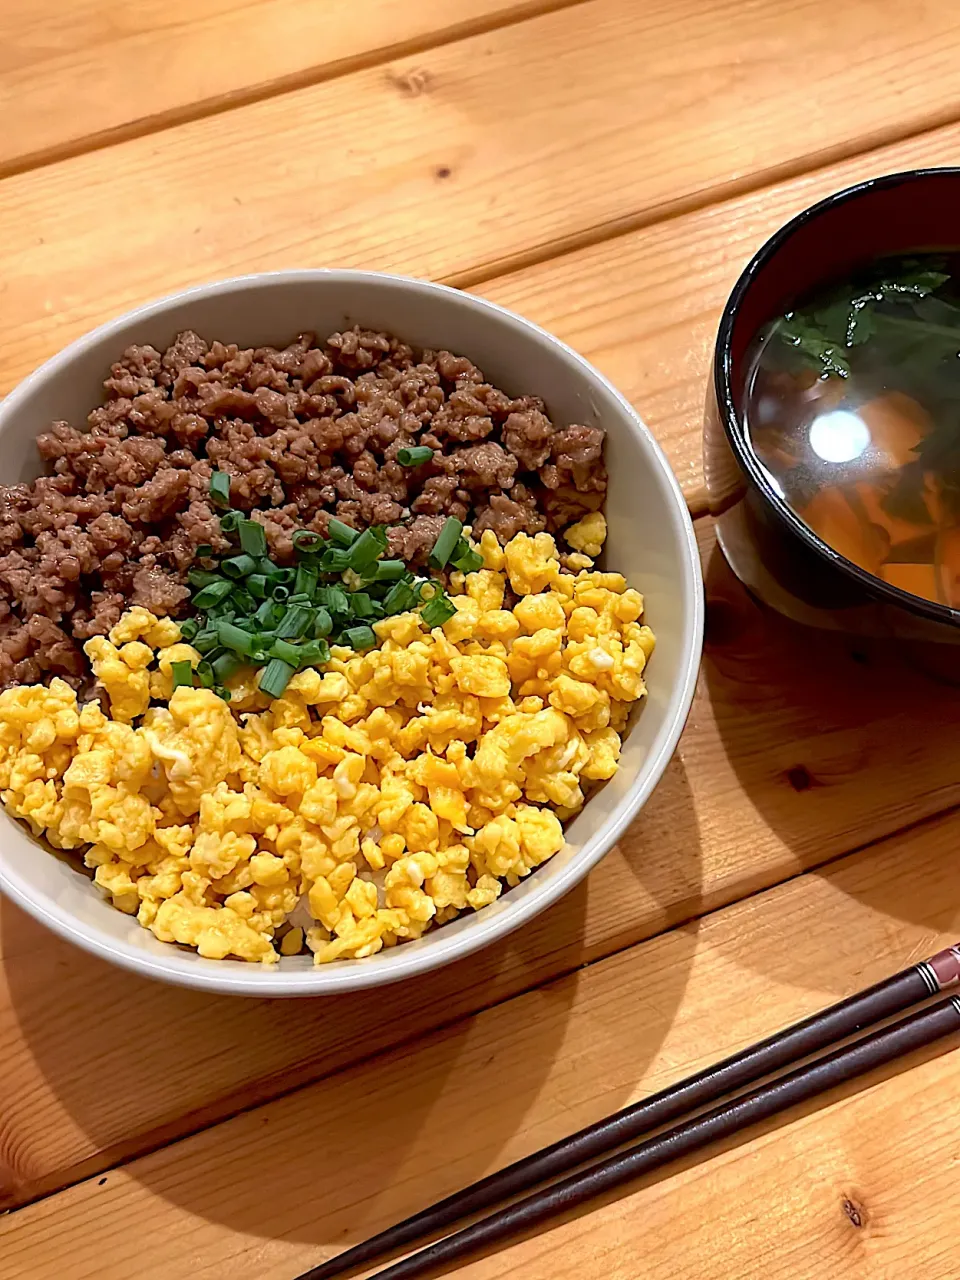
604	167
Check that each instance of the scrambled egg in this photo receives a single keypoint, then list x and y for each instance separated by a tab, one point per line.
397	788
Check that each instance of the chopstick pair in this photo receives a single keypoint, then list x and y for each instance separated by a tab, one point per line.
602	1141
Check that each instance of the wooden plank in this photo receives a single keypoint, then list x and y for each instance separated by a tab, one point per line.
644	307
76	74
420	165
787	761
862	1189
278	1188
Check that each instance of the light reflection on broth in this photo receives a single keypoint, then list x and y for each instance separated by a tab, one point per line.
853	409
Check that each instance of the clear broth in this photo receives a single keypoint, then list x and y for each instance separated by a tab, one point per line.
853	409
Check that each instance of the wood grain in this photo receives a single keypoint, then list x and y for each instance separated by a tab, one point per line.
419	165
863	1188
273	1190
462	159
76	74
789	759
644	307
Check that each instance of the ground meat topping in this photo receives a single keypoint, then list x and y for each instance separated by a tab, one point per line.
305	432
485	466
528	435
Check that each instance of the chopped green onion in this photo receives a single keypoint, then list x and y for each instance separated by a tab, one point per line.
306	579
322	624
220	489
465	558
438	610
281	593
307	542
368	607
285	650
214	654
294	623
275	677
243	601
341	533
205	674
414	457
313	653
269	569
256	584
202	577
336	600
389	570
221	692
203	551
253	538
362	605
287	577
399	598
182	673
206	640
233	637
189	628
239	566
359	637
335	560
446	542
368	548
213	593
269	614
230	521
227	665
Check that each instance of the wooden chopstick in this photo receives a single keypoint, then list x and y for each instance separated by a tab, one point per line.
913	1032
801	1040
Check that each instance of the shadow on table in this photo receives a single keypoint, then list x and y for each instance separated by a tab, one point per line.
837	741
129	1065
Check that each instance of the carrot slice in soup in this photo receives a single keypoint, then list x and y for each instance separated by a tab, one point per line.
830	515
918	579
871	494
948	567
897	424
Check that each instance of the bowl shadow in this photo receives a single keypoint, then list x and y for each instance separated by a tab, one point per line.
837	741
191	1059
366	1091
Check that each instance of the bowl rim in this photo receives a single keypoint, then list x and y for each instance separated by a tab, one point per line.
723	390
257	980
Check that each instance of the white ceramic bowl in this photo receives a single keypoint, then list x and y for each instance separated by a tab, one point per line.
650	540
